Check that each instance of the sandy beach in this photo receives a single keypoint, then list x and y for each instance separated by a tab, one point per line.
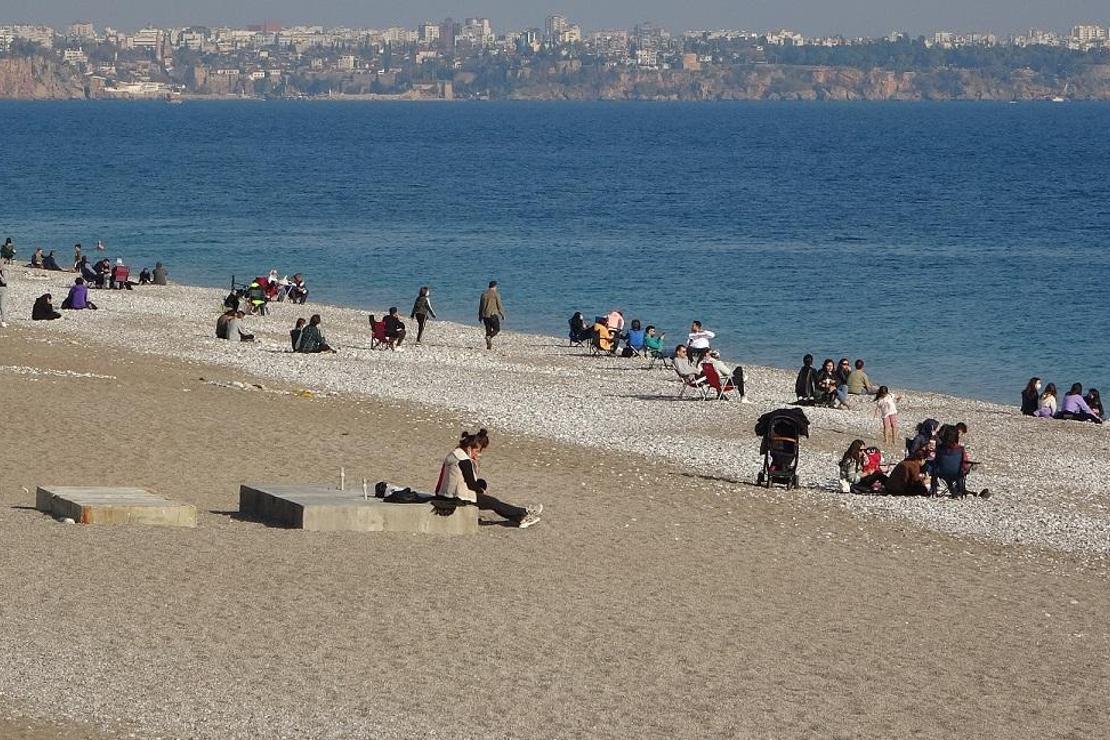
663	595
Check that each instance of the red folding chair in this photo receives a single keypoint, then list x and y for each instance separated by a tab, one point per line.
715	383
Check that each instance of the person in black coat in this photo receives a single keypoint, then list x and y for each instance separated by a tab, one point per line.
43	310
805	387
1031	396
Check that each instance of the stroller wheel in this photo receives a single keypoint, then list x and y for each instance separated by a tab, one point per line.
794	481
759	479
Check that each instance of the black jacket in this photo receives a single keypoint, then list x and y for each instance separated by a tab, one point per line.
806	384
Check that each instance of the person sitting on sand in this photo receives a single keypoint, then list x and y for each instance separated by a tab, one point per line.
7	252
235	329
852	463
1046	406
312	338
858	382
697	343
1030	397
843	371
145	277
221	323
825	385
43	310
36	258
49	262
579	330
295	333
1075	407
458	480
689	371
908	477
87	272
103	273
394	329
805	385
1094	400
78	298
298	291
925	439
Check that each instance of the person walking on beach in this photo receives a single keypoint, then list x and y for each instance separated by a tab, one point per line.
458	479
422	311
5	277
491	312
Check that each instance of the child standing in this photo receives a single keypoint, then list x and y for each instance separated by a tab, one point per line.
887	410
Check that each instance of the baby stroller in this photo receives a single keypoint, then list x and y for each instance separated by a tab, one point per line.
781	431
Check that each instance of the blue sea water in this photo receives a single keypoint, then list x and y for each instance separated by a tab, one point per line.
958	247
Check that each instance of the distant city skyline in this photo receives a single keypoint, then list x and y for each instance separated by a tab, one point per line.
849	18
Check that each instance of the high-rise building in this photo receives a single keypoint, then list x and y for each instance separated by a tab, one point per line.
553	27
427	33
447	32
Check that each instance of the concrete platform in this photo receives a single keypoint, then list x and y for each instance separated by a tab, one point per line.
102	505
323	508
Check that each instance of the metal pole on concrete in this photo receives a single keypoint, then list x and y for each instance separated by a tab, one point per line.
342	479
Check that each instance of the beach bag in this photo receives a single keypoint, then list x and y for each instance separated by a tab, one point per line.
627	352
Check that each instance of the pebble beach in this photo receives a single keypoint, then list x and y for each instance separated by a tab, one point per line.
663	594
1050	479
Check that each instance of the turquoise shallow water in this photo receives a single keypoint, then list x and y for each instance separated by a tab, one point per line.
956	247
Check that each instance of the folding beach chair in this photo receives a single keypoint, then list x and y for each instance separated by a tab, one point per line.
715	383
378	340
698	385
949	468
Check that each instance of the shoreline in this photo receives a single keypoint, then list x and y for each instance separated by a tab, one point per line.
603	403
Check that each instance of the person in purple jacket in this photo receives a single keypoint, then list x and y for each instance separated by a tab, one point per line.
1075	407
78	298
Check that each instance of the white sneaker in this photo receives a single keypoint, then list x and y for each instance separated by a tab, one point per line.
744	399
537	509
529	519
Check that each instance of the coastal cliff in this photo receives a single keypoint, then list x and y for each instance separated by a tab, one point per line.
38	78
793	82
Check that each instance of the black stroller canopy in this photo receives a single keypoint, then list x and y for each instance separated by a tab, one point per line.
796	416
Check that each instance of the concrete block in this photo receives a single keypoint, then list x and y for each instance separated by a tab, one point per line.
323	508
103	505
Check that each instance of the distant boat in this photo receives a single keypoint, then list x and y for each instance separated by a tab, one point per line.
1058	99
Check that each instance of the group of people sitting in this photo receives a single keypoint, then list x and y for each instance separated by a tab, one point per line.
1075	406
832	384
76	300
935	455
266	289
607	332
229	326
309	337
698	364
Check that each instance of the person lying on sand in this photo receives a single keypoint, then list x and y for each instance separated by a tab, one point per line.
458	479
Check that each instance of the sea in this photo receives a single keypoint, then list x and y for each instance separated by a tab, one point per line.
956	247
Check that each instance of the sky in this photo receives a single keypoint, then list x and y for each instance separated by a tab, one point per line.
811	17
